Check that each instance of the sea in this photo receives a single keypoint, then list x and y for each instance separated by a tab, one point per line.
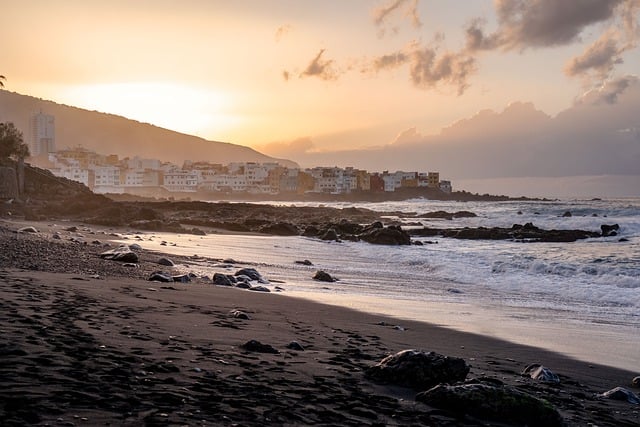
581	298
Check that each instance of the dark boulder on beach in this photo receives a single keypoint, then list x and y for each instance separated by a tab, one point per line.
621	393
330	234
280	229
392	235
221	279
323	276
166	262
160	276
540	373
258	347
609	230
418	369
492	402
121	254
252	274
518	232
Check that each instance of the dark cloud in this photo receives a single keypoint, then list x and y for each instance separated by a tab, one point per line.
321	68
540	23
428	67
600	57
382	12
609	92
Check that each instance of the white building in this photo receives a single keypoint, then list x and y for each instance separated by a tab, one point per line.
225	182
106	176
181	181
42	132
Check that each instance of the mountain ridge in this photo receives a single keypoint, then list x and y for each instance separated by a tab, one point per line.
108	133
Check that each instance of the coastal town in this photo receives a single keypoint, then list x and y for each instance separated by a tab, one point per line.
110	174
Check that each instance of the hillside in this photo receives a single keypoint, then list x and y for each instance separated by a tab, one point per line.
111	134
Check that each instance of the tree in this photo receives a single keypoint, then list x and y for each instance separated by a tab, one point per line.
1	79
11	143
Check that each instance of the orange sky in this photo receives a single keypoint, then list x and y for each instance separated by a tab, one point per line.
340	74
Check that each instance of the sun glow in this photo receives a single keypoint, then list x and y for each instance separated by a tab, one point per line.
190	110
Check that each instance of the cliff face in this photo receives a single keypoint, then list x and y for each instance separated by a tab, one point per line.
110	134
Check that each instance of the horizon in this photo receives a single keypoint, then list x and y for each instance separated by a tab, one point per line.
398	81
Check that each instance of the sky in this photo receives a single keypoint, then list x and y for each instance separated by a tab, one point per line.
307	80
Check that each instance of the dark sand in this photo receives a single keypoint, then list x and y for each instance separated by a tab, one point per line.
85	341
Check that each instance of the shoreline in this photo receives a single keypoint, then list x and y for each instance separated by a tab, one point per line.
180	357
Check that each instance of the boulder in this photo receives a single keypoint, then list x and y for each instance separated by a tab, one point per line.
492	402
183	278
295	345
121	253
304	262
166	262
160	276
541	373
252	274
609	230
259	289
621	393
418	369
221	280
323	276
392	235
280	229
258	347
330	234
239	314
27	230
635	382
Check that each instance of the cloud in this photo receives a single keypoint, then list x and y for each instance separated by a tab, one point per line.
540	23
290	149
282	31
321	68
600	57
382	13
428	67
609	92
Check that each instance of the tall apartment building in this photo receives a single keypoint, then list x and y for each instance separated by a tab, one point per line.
42	132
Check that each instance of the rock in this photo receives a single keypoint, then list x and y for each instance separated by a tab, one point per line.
160	276
609	230
243	285
166	261
567	214
311	231
56	236
280	229
493	402
541	373
418	369
295	345
621	393
258	347
184	278
305	262
135	247
636	382
330	234
121	253
259	289
252	273
221	280
29	229
239	314
392	235
71	229
323	276
197	232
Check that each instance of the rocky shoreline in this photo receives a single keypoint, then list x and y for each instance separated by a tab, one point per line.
87	339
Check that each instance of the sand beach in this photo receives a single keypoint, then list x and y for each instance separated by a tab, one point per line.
90	341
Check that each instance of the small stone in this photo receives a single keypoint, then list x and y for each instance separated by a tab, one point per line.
166	261
295	345
621	393
258	347
27	230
